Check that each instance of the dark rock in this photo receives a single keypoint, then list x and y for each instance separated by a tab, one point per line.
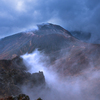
13	75
19	97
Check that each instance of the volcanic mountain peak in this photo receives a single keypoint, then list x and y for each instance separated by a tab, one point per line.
48	37
48	28
45	24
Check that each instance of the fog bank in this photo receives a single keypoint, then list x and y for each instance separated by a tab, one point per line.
80	87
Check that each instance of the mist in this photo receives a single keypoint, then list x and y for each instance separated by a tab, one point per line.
84	86
31	29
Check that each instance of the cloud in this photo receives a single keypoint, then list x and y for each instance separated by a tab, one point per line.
79	15
84	86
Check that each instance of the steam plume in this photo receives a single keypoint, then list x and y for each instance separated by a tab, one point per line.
81	87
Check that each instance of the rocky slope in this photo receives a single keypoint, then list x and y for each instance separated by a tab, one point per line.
49	38
14	75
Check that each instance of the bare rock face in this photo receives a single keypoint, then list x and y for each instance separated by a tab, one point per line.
13	75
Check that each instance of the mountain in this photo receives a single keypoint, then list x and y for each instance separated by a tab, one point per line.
49	37
70	57
72	54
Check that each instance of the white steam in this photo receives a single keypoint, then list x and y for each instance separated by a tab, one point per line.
81	87
36	62
31	29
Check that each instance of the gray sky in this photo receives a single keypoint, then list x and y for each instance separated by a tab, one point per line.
19	15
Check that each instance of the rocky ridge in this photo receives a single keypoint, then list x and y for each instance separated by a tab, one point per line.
13	75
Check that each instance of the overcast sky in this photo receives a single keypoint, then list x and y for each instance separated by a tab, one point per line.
19	15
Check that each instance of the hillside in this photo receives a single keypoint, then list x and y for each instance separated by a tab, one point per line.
49	38
73	60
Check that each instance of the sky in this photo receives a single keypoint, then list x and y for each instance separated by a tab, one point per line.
20	15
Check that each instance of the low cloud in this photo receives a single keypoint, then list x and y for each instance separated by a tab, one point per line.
81	87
